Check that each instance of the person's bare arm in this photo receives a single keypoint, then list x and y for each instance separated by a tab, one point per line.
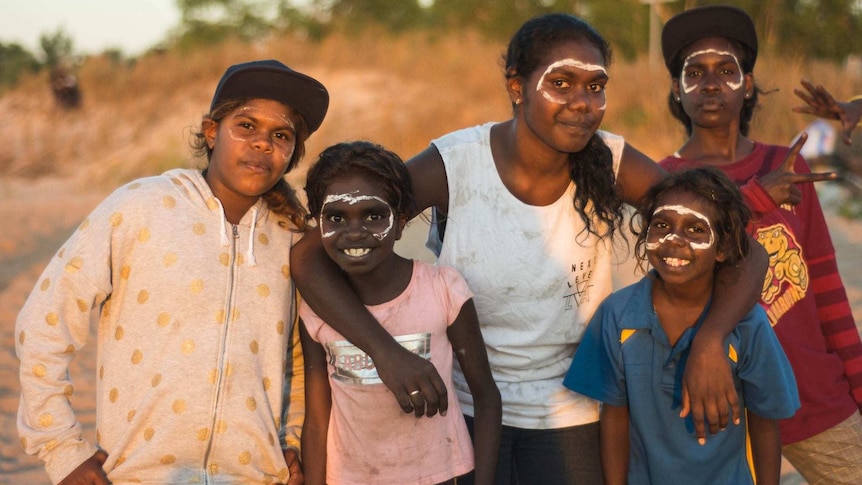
637	173
469	348
318	404
321	282
614	442
765	449
326	290
708	387
708	391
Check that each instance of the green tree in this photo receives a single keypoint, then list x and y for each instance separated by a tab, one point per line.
394	15
15	61
827	29
57	47
210	21
623	23
498	19
811	28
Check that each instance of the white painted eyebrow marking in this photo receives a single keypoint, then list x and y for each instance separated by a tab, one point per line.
354	199
732	85
679	209
570	63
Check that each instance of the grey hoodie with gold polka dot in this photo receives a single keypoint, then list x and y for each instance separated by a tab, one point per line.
194	321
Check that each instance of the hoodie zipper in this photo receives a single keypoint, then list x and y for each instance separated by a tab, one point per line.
221	369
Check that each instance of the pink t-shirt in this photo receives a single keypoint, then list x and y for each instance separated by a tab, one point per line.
370	439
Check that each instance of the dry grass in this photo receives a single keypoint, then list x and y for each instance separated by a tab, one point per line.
401	92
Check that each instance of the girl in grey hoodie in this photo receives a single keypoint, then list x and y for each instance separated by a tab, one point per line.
187	276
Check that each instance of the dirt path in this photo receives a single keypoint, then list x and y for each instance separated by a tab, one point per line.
36	218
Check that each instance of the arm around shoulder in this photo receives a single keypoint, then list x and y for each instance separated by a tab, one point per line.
321	282
636	174
709	393
430	185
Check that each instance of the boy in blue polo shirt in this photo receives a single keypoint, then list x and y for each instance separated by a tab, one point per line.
634	351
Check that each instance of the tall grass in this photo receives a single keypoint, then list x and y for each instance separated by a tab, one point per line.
399	91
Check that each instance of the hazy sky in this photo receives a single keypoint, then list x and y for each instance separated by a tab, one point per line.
94	25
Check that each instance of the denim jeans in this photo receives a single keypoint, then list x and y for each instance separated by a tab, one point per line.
563	456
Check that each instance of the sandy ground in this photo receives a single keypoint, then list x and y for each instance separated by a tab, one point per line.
37	218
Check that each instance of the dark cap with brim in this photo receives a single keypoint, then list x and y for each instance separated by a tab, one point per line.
702	22
271	79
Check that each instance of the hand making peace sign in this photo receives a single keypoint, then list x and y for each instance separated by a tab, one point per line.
782	182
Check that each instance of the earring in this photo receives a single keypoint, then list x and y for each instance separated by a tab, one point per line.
747	95
518	101
677	99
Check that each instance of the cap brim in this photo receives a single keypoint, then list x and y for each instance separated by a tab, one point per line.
702	22
302	93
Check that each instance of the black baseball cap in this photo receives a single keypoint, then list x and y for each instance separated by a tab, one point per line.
702	22
270	79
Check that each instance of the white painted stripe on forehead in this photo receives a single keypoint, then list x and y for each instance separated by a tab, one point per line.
732	85
354	199
681	209
572	63
350	198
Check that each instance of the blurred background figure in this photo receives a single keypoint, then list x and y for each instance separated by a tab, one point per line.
64	85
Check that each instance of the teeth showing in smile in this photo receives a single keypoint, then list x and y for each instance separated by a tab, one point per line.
675	262
356	252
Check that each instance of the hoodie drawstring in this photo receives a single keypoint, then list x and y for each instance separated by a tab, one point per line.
225	240
250	251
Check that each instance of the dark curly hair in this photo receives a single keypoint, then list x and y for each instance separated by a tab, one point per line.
731	215
281	198
746	62
591	168
348	158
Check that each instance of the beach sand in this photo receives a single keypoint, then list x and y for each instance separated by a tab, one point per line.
39	216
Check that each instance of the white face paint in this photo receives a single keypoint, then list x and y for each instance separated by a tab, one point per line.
552	97
734	85
354	199
682	210
243	135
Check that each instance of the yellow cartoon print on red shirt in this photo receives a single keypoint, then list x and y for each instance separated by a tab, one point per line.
787	276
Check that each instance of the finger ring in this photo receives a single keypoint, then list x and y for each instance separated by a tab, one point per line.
415	393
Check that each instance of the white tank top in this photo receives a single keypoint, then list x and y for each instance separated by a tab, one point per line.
537	277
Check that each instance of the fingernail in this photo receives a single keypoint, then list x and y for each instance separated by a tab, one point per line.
736	421
701	441
442	413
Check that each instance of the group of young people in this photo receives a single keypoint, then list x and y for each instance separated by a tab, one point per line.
509	361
